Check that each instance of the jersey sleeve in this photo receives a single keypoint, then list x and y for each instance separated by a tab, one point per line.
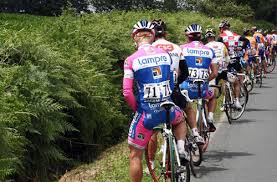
183	71
128	82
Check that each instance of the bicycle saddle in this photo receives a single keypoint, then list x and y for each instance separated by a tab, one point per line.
167	105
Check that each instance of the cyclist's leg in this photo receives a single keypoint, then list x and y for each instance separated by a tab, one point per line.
135	164
211	108
237	66
191	115
138	138
263	59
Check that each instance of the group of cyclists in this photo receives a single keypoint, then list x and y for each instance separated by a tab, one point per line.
161	70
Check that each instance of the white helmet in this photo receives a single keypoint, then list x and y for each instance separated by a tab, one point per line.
193	28
143	25
231	77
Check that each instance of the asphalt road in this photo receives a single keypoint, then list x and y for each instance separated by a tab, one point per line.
246	151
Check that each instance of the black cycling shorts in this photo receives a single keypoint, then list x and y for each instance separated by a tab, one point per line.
178	98
222	75
236	65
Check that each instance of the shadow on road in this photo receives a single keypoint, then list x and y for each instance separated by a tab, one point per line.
263	86
258	109
241	121
254	93
213	159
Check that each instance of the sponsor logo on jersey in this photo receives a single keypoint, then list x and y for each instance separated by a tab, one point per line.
157	72
141	136
198	61
151	60
198	52
166	47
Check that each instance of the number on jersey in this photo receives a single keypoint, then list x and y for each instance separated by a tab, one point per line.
156	92
198	73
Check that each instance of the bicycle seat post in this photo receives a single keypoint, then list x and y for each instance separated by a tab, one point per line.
167	106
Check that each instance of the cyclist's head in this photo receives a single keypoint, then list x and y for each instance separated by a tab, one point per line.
273	31
160	28
143	31
224	25
193	32
254	29
246	31
210	34
266	32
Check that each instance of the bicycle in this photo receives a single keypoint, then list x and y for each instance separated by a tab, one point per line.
233	113
170	166
271	63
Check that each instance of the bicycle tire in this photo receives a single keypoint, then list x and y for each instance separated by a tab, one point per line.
243	95
249	85
227	105
171	153
152	172
270	68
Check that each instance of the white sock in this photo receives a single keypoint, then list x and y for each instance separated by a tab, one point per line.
181	145
194	132
152	164
211	115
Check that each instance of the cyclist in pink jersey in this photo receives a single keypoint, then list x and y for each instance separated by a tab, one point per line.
151	69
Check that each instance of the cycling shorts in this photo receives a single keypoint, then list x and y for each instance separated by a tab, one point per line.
192	88
222	75
178	98
262	54
251	60
143	123
235	65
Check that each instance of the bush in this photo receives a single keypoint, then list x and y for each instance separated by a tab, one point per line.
60	89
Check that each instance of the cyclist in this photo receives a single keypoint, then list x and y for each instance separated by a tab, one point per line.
234	44
258	36
273	49
199	59
150	68
175	53
223	60
252	51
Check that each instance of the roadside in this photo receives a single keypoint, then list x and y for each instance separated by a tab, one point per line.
113	164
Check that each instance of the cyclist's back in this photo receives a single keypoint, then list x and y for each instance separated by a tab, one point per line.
173	50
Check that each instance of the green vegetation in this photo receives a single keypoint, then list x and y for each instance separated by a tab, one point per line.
60	88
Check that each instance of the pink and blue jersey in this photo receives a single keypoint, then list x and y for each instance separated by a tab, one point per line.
198	58
151	69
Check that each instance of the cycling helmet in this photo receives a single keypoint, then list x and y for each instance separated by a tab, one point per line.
159	27
254	28
209	33
224	24
143	25
193	29
246	31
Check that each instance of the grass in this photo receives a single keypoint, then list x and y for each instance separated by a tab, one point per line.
112	165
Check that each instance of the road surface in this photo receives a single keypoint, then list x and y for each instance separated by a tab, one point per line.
246	151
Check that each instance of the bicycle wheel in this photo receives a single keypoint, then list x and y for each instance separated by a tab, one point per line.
178	173
249	85
243	97
271	64
195	152
228	105
259	76
156	173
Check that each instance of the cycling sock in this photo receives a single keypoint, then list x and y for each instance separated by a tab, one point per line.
152	164
194	132
181	145
211	115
